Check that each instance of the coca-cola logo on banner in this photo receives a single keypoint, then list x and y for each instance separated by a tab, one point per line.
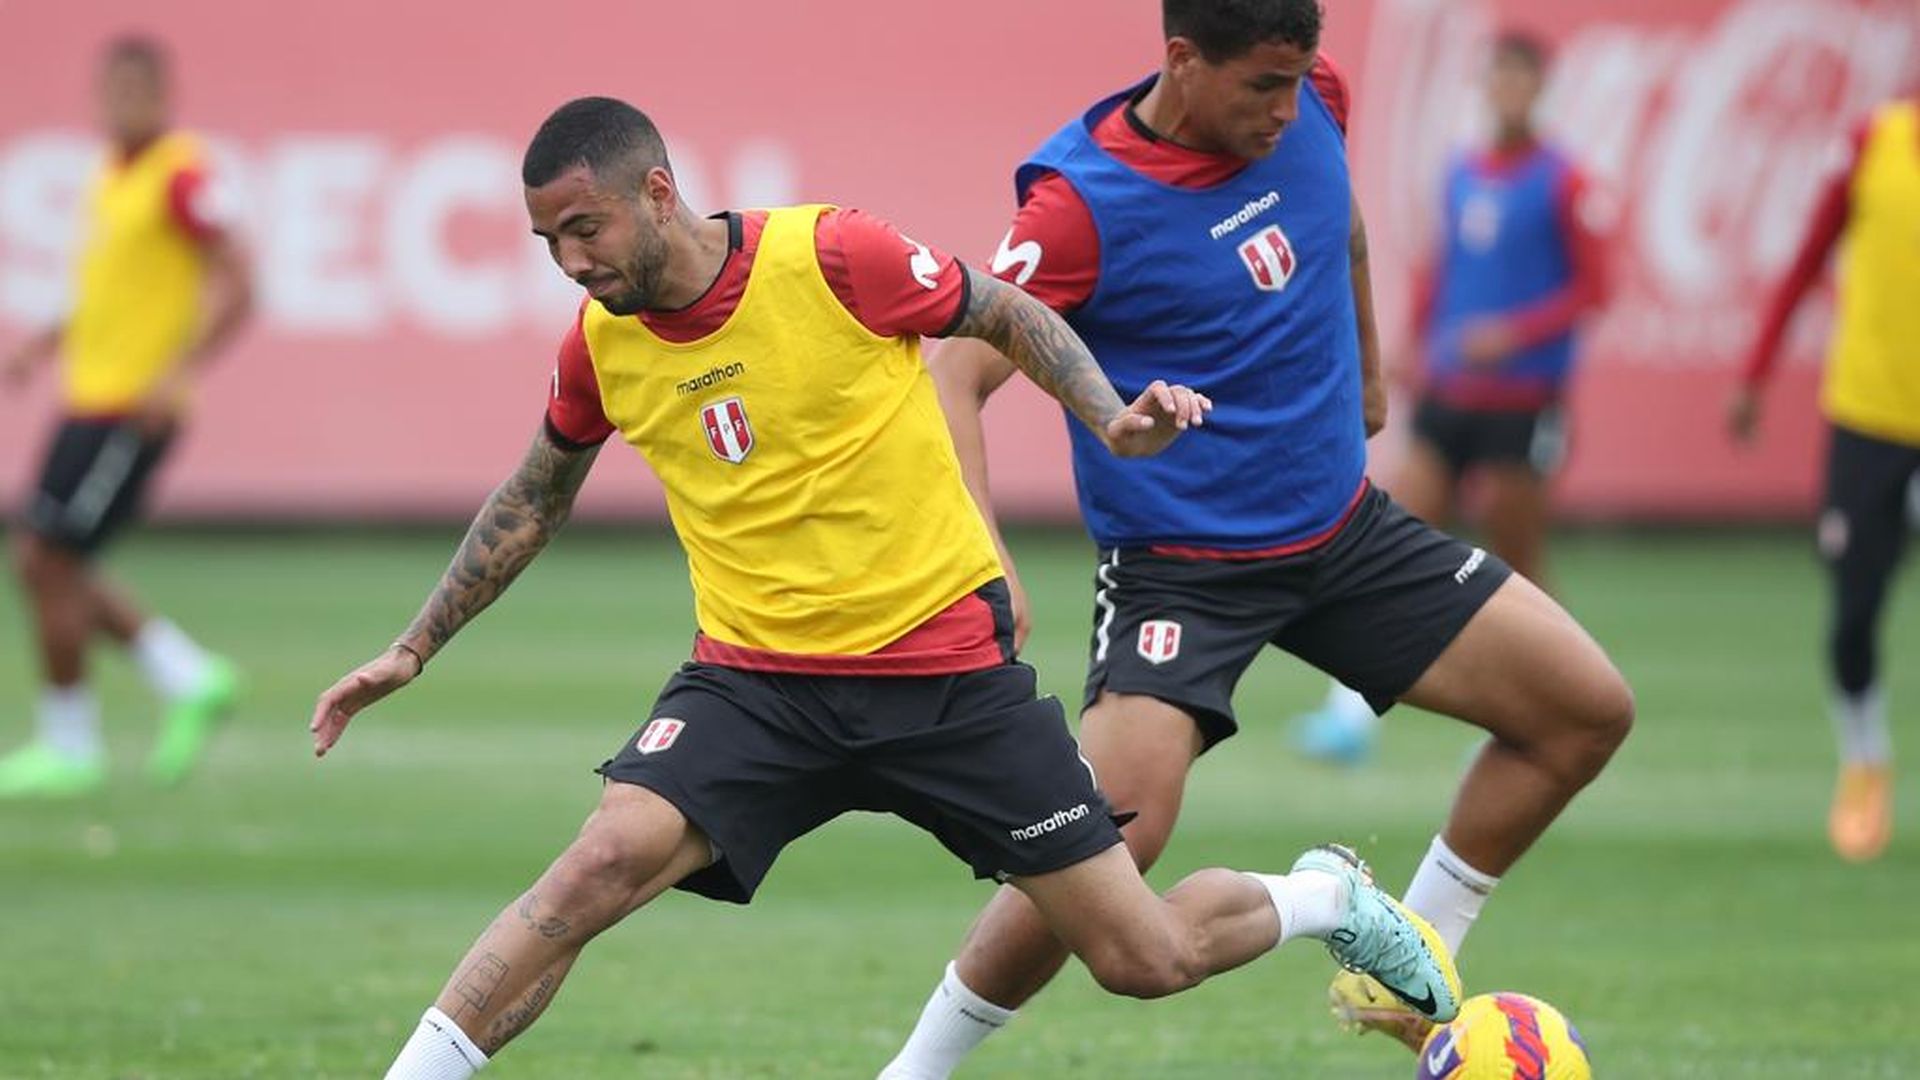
1708	132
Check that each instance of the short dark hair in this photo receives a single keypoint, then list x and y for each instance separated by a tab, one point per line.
604	134
1224	29
138	49
1523	45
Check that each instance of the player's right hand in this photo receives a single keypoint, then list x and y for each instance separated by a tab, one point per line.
1022	613
360	688
16	369
1743	413
1155	419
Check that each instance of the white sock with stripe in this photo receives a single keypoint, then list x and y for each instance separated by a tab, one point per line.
954	1021
1448	893
438	1050
1308	902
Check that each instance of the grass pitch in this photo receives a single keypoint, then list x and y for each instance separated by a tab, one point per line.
282	918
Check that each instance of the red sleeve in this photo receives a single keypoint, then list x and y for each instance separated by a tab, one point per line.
1586	291
1053	250
1332	84
1829	220
190	202
575	417
895	285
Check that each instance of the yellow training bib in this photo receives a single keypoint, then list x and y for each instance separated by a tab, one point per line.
806	461
1873	372
137	298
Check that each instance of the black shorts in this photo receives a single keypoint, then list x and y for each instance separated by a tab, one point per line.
1464	438
1872	499
757	760
93	483
1373	607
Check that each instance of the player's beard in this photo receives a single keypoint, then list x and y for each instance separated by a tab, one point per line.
643	273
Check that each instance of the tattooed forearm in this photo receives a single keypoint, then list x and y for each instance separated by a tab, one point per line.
512	527
552	926
475	984
522	1013
1041	344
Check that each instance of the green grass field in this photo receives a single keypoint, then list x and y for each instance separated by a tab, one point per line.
282	918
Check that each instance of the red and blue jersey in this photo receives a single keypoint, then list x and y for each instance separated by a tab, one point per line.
1235	280
1516	252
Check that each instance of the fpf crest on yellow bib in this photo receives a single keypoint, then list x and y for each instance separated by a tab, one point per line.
1873	374
806	462
137	297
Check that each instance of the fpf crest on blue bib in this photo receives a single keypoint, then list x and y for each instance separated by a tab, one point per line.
1244	292
1504	249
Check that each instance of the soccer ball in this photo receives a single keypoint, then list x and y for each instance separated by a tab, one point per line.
1504	1037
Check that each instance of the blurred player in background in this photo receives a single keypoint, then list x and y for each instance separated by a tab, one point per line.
1495	316
855	647
1871	399
1204	221
162	287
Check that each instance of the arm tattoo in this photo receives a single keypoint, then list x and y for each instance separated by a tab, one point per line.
512	527
1041	344
1357	241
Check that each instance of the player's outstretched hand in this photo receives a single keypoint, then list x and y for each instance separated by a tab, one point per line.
1155	419
1743	414
1488	343
361	687
16	368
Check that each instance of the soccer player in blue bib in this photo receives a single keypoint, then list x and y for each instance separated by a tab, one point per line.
1202	223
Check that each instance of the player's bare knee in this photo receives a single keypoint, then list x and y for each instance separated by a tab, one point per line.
597	870
1599	723
1609	716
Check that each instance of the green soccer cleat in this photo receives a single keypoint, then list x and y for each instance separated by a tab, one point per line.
1380	937
38	771
190	722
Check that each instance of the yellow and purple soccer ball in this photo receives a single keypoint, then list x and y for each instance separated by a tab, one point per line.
1504	1036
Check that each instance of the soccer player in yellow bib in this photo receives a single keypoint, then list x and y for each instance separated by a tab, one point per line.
1871	398
855	644
161	288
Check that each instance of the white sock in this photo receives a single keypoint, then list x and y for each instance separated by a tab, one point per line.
1448	893
1308	902
1351	706
171	661
438	1050
1860	721
69	720
954	1022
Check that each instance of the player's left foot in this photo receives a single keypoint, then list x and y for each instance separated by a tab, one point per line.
1861	821
190	721
1378	936
38	771
1360	1004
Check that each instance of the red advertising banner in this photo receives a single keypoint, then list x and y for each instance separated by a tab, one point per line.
408	321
